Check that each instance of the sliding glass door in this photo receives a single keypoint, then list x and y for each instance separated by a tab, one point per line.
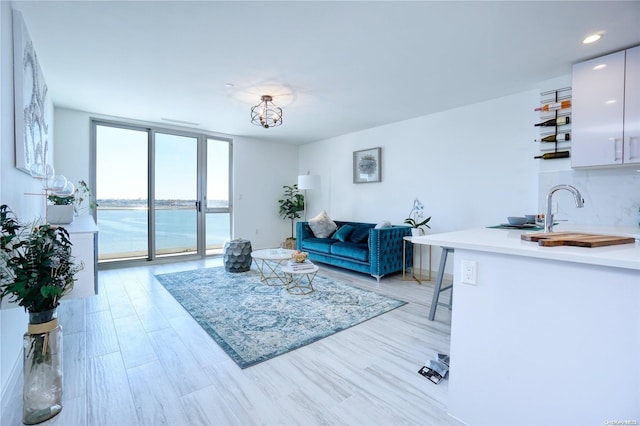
160	193
121	192
176	194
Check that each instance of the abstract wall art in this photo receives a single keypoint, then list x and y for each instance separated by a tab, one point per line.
366	166
33	107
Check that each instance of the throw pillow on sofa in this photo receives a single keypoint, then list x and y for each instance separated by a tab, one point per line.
343	233
322	226
361	234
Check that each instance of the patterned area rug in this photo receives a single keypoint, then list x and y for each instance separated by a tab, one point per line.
254	322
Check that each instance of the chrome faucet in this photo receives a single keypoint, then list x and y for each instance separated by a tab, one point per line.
548	218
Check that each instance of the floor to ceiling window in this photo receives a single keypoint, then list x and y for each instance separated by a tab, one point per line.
160	193
217	206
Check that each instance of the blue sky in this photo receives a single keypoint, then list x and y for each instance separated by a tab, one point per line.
122	165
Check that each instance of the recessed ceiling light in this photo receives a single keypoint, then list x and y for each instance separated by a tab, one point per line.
599	67
592	38
611	101
228	85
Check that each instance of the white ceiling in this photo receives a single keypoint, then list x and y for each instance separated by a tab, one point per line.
334	67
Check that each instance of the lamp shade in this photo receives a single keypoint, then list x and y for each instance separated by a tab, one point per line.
308	181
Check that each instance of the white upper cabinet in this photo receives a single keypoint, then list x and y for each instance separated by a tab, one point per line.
632	108
606	110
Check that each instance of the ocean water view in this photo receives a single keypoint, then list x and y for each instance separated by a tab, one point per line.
123	231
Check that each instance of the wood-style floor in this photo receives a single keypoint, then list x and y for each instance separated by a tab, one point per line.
134	356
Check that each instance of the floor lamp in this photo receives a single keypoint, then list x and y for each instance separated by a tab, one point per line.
308	182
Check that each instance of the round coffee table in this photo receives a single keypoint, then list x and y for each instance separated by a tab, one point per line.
300	281
269	263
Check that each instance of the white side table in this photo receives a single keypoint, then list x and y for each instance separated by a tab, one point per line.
420	277
300	281
83	234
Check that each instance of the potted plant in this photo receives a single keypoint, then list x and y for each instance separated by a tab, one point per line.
417	213
69	202
36	270
291	205
61	209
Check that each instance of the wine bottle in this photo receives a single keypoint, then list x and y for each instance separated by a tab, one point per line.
560	121
560	137
555	106
551	155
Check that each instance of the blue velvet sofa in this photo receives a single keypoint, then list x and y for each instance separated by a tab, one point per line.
373	251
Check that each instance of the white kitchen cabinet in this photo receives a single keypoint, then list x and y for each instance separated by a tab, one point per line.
606	110
631	153
83	234
544	320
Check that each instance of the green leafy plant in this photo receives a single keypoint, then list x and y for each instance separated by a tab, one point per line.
61	200
36	265
417	213
291	204
82	194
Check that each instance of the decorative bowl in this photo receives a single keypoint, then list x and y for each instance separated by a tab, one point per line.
517	220
300	256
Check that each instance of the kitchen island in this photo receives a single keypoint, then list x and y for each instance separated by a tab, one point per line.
547	335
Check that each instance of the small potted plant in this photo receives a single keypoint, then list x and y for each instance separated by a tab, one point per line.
69	202
290	207
414	219
36	270
61	209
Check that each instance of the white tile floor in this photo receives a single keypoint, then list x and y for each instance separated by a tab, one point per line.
133	356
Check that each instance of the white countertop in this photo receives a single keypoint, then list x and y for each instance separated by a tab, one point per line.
507	241
82	225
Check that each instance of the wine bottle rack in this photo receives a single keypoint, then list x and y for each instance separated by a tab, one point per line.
563	131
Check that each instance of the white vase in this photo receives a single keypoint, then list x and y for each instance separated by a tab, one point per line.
417	232
60	214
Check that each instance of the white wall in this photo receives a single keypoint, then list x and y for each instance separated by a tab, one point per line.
14	184
471	166
260	169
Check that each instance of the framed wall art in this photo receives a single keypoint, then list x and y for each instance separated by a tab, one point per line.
367	166
33	106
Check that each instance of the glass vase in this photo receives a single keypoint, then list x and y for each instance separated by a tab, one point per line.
42	389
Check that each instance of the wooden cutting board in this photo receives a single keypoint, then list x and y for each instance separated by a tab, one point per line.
552	239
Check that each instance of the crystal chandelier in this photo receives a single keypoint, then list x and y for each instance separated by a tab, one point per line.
266	114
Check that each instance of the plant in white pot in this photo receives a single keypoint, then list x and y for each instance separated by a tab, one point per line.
61	209
414	219
290	207
36	270
69	202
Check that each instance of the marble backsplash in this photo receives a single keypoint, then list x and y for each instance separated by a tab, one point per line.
611	196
